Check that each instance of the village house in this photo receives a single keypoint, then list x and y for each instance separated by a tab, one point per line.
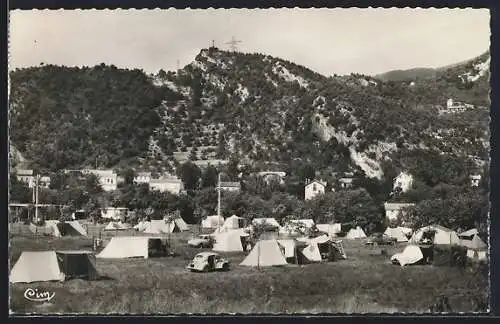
346	181
475	180
230	186
26	176
142	177
173	185
108	179
453	107
395	210
115	213
269	176
314	188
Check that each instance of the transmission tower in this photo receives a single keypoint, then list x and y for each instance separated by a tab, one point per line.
233	44
178	64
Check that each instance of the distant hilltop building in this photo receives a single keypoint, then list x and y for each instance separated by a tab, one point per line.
453	107
314	188
28	176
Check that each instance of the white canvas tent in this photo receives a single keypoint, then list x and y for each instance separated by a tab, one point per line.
116	226
355	233
160	227
410	255
127	247
311	252
228	242
58	229
330	229
213	221
271	222
289	246
468	234
397	233
181	224
443	235
232	222
141	226
36	266
476	248
265	254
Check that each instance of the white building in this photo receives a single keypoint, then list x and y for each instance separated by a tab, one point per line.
269	176
314	188
142	177
44	182
230	186
107	178
26	176
346	182
115	213
395	210
475	179
170	184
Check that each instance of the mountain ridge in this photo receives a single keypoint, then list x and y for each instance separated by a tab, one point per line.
337	123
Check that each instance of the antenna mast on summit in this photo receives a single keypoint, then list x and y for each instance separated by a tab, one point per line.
233	44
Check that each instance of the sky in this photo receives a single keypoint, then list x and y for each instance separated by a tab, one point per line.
328	41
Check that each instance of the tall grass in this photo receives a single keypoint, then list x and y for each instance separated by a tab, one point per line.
364	283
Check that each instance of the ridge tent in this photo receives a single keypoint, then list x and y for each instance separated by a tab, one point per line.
311	252
233	222
228	242
141	226
53	266
468	234
58	229
476	248
117	226
410	255
442	235
160	226
265	254
330	229
397	233
129	247
213	221
355	233
181	224
268	222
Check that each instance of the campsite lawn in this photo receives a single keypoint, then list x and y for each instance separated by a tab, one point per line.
365	282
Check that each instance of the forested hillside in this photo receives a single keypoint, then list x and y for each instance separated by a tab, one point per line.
250	107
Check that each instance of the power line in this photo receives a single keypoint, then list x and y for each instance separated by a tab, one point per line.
233	44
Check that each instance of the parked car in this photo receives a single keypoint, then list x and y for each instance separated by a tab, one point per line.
202	241
208	261
380	239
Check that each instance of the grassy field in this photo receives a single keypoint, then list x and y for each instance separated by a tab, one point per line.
364	283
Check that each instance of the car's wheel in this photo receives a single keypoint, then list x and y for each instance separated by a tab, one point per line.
225	267
205	269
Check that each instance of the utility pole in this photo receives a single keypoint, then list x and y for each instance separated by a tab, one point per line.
36	196
213	43
218	201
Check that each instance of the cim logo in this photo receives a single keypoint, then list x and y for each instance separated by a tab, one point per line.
38	296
